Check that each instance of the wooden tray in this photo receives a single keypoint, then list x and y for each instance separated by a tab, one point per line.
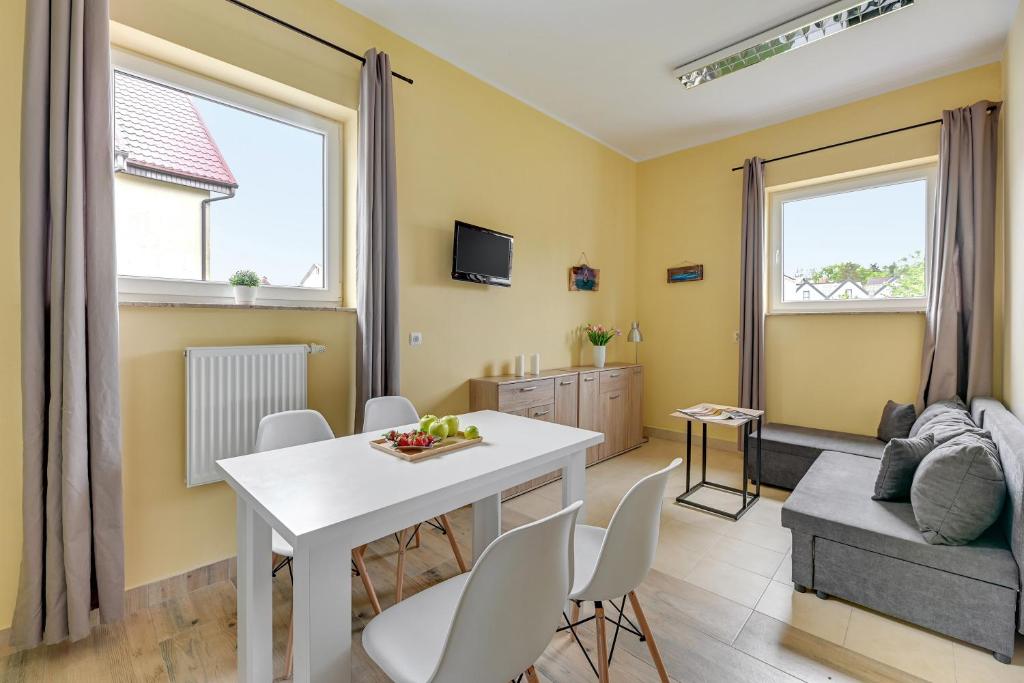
452	443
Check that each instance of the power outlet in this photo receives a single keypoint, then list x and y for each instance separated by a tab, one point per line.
415	338
736	336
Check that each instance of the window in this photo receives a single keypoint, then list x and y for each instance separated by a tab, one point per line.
852	245
210	180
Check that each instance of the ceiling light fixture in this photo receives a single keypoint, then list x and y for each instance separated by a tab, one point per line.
799	32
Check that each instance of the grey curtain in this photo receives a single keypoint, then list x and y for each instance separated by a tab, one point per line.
73	550
752	389
957	358
377	350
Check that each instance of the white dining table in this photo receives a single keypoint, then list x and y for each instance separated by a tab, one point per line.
329	497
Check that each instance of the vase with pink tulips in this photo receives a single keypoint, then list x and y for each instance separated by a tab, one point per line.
599	336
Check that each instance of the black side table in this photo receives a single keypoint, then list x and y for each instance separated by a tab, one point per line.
744	424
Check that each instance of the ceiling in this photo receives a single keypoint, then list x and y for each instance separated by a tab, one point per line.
605	67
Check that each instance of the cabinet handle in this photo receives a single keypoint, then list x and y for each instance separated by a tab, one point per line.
615	396
541	413
588	379
527	388
565	384
614	374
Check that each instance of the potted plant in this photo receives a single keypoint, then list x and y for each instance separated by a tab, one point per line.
599	336
244	283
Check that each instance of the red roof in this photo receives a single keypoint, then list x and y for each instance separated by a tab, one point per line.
159	128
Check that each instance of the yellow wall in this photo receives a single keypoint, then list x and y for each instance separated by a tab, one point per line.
1013	201
828	371
465	151
11	41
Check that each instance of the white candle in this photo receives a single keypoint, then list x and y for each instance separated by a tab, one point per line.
521	365
535	364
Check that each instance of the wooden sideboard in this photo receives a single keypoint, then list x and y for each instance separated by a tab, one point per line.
608	400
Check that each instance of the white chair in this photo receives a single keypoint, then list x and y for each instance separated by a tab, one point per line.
293	428
387	412
611	563
487	626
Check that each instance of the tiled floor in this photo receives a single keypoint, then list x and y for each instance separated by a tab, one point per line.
719	600
743	568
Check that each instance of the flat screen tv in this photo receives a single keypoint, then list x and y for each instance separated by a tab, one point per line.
481	255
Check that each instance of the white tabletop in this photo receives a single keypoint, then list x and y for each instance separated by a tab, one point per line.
315	486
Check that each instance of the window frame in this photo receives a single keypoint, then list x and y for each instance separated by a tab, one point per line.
869	178
141	289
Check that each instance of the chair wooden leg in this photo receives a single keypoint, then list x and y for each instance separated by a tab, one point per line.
531	675
574	613
357	556
416	535
648	636
454	544
602	643
289	659
400	572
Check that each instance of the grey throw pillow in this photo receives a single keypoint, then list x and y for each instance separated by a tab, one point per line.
899	462
897	419
952	405
958	490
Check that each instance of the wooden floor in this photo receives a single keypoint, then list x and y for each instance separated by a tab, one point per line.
718	600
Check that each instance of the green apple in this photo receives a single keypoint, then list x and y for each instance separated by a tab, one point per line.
453	424
472	432
438	429
426	421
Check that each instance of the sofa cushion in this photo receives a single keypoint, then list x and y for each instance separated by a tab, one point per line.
899	462
897	420
834	501
953	405
948	426
808	443
958	490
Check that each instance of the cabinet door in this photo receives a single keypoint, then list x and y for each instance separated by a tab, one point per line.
590	410
614	416
635	430
566	400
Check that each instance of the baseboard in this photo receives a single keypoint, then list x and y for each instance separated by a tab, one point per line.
671	435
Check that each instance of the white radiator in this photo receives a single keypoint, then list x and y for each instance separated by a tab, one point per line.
229	390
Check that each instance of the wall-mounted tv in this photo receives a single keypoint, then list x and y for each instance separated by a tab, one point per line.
481	255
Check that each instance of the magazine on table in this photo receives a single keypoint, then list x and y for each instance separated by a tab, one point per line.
715	413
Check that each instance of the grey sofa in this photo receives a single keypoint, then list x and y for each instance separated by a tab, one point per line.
789	451
871	553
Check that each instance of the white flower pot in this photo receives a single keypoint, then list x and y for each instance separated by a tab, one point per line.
599	356
244	296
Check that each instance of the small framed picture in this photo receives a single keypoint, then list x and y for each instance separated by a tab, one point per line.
584	278
691	273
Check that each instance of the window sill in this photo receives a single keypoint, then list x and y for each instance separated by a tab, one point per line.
239	307
891	311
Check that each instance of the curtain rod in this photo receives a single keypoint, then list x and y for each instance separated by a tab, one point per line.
860	139
311	36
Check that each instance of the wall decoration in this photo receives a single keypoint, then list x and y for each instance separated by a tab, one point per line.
689	273
583	277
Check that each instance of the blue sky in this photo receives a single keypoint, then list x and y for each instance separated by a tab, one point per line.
274	224
877	225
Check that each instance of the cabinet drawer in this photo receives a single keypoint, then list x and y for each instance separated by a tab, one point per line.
526	394
544	412
614	380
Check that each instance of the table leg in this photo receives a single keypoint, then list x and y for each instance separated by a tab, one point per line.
703	452
574	482
759	456
689	438
322	612
746	453
486	523
255	643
